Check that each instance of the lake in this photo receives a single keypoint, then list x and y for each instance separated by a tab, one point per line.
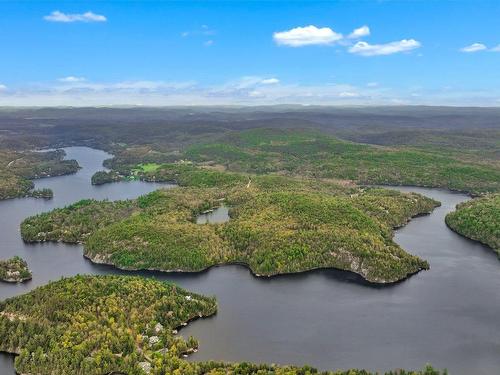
447	316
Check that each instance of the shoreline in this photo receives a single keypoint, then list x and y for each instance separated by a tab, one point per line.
362	279
476	241
16	281
358	278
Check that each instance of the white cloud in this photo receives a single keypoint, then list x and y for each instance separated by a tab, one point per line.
372	84
474	47
248	82
57	16
255	94
348	94
306	36
478	47
312	35
71	79
208	43
3	87
359	32
270	81
366	49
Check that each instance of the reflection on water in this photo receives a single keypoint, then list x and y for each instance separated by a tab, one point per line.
447	316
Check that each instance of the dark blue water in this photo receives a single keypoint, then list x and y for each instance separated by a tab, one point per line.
447	316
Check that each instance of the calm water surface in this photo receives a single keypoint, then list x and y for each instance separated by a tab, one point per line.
447	316
218	215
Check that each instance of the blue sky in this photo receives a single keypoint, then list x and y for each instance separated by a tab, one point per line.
253	52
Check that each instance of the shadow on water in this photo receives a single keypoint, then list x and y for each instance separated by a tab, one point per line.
447	316
197	276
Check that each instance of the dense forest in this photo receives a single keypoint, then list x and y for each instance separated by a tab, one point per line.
14	270
97	325
76	222
105	177
306	153
278	225
454	148
478	219
313	154
18	169
118	324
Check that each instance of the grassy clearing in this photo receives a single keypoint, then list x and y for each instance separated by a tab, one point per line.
147	167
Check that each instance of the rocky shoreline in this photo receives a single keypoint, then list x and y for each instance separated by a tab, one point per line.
14	270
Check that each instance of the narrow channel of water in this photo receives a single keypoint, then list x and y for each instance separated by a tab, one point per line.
447	316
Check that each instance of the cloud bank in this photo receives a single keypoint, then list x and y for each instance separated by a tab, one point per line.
248	90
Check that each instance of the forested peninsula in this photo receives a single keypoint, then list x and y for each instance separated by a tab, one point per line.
478	219
94	325
277	225
19	168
